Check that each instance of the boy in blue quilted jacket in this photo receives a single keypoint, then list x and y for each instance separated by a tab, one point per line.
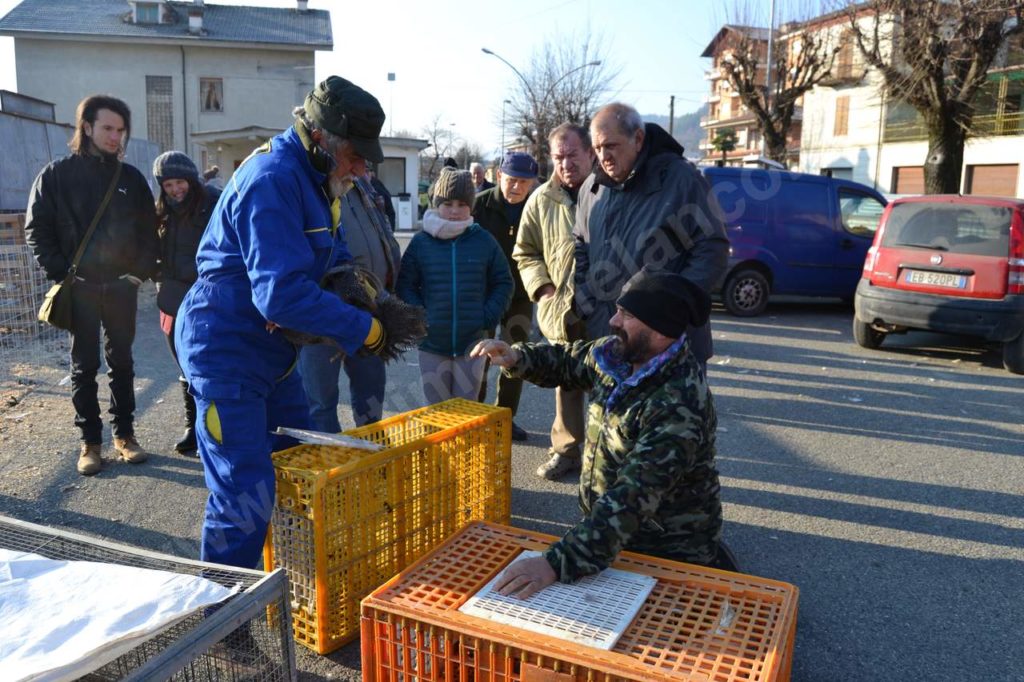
457	271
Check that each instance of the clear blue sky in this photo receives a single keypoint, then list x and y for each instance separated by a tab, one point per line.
434	50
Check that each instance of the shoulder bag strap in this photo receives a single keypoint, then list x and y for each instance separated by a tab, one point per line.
96	218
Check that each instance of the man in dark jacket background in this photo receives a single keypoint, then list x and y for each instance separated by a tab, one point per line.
121	253
644	206
370	240
498	210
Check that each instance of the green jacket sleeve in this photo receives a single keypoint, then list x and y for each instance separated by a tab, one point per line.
666	450
568	365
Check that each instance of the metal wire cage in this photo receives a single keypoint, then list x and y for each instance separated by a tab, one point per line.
245	638
30	351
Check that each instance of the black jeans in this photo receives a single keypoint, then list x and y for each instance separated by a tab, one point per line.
112	305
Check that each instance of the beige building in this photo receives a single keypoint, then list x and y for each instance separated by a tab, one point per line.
211	80
214	81
725	108
851	130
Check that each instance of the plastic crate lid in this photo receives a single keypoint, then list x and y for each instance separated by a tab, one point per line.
594	611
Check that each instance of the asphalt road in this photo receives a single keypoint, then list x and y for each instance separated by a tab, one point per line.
887	485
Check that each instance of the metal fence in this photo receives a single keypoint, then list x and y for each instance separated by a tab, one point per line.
31	352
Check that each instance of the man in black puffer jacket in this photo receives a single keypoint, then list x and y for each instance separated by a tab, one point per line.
121	253
645	206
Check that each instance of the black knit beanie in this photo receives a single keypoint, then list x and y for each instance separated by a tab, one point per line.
453	184
174	166
666	302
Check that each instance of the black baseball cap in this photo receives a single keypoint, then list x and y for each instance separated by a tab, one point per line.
345	109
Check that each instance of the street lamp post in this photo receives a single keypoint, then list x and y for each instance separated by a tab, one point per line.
503	103
534	102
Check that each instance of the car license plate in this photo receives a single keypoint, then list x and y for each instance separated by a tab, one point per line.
936	279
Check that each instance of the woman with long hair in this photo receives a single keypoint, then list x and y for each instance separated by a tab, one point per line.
183	209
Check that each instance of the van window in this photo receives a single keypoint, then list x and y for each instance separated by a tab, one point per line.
742	198
860	213
959	228
803	202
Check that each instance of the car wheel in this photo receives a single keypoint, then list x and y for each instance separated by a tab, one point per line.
746	293
1013	354
865	335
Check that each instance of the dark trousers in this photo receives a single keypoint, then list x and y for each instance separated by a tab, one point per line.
515	328
112	306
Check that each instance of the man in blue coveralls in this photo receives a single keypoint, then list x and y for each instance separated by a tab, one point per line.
273	235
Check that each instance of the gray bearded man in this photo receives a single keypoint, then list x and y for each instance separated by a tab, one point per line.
649	482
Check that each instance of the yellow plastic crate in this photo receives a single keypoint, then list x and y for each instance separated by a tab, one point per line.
347	520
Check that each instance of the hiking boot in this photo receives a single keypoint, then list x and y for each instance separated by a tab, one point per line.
89	460
519	433
130	450
558	466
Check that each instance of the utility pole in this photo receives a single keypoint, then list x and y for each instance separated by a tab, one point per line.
768	69
391	102
671	114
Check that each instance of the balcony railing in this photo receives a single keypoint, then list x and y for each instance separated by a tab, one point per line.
984	125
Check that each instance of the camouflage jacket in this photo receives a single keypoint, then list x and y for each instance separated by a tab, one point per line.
649	482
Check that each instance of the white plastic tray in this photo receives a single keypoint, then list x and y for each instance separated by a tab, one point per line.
594	611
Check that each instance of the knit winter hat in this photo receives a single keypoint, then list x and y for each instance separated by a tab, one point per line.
174	166
452	184
666	302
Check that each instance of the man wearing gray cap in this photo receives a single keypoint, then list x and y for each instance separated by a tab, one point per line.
272	237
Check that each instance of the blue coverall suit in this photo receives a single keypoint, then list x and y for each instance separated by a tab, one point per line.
268	244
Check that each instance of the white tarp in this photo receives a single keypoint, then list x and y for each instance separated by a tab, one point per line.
60	620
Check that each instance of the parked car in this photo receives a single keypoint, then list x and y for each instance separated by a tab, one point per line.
792	233
949	264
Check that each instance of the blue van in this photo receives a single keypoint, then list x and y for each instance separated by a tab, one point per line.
792	234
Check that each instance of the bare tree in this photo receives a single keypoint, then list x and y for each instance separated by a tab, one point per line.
442	141
466	152
935	55
564	82
802	56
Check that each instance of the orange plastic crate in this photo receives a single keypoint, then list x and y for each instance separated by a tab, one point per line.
412	629
346	520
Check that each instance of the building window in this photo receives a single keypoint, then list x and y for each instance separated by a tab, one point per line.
842	123
160	111
211	95
844	59
391	171
147	13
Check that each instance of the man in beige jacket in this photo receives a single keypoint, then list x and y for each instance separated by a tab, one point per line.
544	255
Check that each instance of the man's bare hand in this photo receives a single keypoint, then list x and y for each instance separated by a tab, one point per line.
499	353
545	292
525	577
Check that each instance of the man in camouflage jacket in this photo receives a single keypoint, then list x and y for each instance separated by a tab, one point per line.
649	482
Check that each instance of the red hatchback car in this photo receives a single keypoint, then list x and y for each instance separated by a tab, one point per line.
946	263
